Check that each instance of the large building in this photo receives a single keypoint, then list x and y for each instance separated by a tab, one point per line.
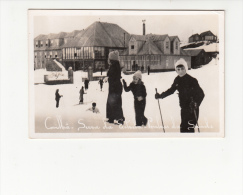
80	49
91	46
159	52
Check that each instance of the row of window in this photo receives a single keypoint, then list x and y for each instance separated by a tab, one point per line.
47	43
84	52
166	43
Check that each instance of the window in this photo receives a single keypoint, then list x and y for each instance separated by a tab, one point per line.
132	46
167	45
36	43
46	43
75	54
41	43
51	42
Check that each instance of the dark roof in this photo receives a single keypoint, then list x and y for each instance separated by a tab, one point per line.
207	33
172	38
194	52
149	47
101	34
194	35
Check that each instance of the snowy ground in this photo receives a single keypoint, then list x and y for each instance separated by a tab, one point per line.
72	117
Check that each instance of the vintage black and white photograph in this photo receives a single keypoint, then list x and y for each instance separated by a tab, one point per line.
123	73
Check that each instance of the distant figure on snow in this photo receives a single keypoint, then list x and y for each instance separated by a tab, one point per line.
70	74
93	108
101	70
148	70
139	92
57	97
101	83
81	96
142	68
190	96
86	84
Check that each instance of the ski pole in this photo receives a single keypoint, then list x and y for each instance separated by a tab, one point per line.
196	120
160	113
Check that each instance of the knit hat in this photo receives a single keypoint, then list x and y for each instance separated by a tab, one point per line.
114	55
181	61
138	74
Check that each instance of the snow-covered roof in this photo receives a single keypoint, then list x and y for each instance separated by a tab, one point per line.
194	52
213	47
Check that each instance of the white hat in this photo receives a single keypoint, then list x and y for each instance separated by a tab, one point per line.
181	61
138	74
114	55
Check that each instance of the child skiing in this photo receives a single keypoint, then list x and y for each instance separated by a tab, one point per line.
190	96
139	91
57	97
101	83
81	97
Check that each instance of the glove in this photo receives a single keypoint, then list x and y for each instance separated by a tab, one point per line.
157	96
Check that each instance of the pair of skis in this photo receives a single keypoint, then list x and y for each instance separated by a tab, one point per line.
194	111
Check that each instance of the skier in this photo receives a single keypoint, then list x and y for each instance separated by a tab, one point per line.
70	74
57	97
93	108
81	97
190	96
86	84
114	112
139	92
101	83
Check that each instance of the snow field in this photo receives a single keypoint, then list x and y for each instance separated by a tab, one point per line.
75	118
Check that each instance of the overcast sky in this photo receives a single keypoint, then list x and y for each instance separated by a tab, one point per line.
182	24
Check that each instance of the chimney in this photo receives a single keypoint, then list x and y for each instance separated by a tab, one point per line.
143	26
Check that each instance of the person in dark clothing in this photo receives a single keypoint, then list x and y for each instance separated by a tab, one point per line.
101	70
114	112
81	96
190	96
101	83
70	74
57	97
86	84
142	68
139	92
148	70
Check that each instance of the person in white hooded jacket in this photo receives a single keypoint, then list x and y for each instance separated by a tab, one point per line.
190	96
